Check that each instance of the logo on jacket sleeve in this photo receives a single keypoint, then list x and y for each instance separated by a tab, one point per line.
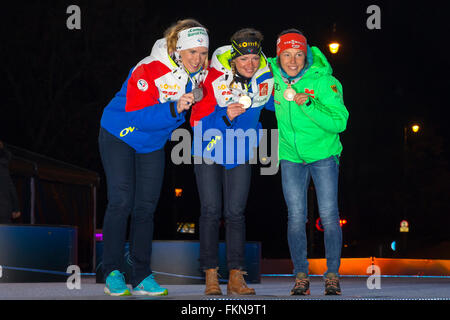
310	92
142	85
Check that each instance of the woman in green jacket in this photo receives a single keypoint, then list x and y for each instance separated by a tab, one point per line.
310	113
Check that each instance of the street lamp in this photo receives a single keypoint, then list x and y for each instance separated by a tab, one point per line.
334	47
407	129
415	128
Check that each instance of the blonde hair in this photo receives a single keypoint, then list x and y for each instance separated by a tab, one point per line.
171	34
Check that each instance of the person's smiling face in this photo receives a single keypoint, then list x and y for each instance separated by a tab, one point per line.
193	59
247	65
292	61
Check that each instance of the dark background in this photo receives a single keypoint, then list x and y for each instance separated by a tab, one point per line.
55	83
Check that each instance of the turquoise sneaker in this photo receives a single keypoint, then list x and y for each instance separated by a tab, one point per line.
149	287
115	284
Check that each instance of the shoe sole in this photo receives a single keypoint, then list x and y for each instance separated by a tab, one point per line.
232	293
332	293
147	293
306	293
120	294
214	293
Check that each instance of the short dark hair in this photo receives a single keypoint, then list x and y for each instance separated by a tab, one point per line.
291	30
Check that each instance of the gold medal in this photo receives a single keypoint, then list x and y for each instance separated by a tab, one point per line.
246	101
289	93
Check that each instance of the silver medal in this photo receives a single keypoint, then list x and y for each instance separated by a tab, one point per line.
198	94
196	91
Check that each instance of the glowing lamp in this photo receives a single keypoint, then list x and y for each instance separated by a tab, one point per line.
178	192
334	47
319	225
404	226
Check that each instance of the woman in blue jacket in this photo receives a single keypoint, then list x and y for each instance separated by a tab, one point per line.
135	126
226	132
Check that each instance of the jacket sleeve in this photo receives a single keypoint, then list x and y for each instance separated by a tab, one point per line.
270	104
327	109
207	111
142	100
159	116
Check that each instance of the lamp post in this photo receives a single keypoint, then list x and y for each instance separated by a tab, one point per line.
409	128
334	45
414	128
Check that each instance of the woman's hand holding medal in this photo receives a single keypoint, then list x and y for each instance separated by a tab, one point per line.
234	110
290	95
300	98
185	102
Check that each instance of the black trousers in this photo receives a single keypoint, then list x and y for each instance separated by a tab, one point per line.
134	184
229	189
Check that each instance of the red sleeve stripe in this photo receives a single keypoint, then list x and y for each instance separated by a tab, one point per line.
141	89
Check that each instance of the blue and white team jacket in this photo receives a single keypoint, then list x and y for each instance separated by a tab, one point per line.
216	138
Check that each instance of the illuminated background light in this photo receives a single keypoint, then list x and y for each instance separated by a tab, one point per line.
334	47
178	192
393	245
320	227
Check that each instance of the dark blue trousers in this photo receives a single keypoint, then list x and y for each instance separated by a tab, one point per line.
133	184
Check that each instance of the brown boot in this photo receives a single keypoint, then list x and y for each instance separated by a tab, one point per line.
236	284
212	282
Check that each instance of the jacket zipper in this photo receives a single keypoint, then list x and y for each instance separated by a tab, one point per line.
293	130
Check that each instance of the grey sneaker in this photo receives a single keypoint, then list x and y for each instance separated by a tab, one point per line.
301	286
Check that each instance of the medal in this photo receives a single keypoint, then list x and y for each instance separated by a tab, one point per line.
196	91
289	93
244	96
198	94
246	101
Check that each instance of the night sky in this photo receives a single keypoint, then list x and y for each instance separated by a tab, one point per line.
56	82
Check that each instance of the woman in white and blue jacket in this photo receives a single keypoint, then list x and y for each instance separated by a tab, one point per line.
135	126
226	132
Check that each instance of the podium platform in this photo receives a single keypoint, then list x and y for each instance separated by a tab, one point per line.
36	253
176	262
